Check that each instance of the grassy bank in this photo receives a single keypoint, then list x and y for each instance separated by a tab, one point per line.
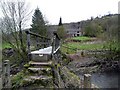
81	38
84	46
87	43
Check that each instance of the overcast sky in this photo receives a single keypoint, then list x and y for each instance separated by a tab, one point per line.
73	10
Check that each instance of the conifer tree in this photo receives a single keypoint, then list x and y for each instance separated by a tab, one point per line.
60	22
38	23
61	31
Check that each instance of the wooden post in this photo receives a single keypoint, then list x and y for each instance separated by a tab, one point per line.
44	41
28	42
49	42
41	41
53	44
87	81
37	43
6	82
0	69
52	57
28	46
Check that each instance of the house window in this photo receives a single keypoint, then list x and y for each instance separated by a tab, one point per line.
73	26
77	31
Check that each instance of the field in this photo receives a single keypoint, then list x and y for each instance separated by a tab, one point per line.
82	38
86	44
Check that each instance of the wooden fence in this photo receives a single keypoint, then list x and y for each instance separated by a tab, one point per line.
6	81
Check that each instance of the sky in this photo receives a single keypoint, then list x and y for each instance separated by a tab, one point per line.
74	10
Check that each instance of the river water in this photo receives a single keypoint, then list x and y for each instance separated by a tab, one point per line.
106	80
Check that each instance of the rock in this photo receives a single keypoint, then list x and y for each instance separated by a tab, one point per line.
69	78
8	51
14	70
73	57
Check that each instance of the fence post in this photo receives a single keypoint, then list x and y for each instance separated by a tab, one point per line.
53	44
1	74
6	81
37	43
87	81
28	45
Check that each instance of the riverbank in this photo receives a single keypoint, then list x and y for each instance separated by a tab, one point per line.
92	64
105	72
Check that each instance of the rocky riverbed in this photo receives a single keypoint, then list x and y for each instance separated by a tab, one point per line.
91	64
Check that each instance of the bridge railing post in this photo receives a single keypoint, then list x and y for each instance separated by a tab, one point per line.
87	81
53	44
6	81
56	41
28	42
0	71
28	45
37	42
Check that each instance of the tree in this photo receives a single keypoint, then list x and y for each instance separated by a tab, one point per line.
93	30
111	26
38	23
61	31
60	22
15	15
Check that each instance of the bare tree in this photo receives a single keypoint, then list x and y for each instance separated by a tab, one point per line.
15	16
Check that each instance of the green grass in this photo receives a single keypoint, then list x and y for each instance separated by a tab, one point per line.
86	46
81	38
0	46
5	45
81	46
67	50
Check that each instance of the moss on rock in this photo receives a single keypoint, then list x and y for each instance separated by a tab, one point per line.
69	78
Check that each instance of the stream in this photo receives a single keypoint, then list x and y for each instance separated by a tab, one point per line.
106	80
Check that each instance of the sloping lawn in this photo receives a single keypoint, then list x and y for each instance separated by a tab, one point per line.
86	46
74	46
82	38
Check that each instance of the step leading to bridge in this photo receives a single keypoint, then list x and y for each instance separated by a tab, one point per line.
38	69
41	77
41	63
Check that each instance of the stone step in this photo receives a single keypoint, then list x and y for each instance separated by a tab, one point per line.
41	77
40	63
38	68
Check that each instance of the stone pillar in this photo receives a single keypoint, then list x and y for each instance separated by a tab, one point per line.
6	82
87	81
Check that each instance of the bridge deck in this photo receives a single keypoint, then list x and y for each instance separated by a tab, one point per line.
45	51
